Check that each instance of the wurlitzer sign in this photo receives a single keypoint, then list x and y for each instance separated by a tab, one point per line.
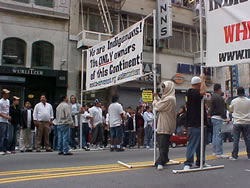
164	16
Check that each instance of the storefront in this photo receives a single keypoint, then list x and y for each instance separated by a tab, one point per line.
29	84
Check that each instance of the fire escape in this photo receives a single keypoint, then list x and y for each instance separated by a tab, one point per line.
108	9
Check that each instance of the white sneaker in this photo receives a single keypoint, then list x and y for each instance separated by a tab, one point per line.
7	152
159	167
222	156
206	165
186	167
148	147
214	154
232	159
2	153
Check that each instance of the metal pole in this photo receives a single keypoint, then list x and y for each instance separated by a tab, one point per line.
231	82
202	101
154	71
82	76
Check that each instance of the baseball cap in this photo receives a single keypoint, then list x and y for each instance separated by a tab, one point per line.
196	80
5	91
97	101
16	98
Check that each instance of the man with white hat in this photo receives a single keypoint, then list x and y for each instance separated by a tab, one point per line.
193	121
4	118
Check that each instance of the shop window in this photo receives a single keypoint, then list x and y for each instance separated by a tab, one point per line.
45	3
22	1
42	54
14	51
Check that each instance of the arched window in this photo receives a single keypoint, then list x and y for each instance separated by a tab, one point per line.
42	54
45	3
14	51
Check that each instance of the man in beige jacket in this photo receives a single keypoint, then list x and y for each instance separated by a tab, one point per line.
166	123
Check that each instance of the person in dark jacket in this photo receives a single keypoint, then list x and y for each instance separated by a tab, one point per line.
26	125
131	127
139	126
218	116
15	122
180	120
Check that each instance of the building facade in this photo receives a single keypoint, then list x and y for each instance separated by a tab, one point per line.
178	54
34	48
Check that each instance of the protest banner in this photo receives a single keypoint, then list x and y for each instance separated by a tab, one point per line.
117	60
228	32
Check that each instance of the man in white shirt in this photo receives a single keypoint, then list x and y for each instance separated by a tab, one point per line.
85	126
27	125
4	118
95	115
43	116
241	119
116	115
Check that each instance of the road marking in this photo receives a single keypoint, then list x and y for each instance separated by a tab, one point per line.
73	171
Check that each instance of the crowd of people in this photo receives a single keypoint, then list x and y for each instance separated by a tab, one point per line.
66	124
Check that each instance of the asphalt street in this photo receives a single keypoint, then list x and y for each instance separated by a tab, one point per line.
100	169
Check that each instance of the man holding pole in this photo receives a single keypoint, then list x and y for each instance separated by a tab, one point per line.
193	121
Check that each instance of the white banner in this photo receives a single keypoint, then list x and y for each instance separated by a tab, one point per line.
164	18
117	60
228	32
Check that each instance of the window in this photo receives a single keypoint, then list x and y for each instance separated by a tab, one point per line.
14	51
42	54
176	41
22	1
45	3
95	23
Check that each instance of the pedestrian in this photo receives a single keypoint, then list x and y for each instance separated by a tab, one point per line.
54	129
15	114
105	126
166	123
85	126
131	124
64	121
218	116
74	131
139	125
116	116
240	108
43	117
193	121
4	121
26	125
180	120
96	124
148	127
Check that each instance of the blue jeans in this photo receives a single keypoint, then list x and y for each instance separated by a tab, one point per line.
194	146
132	139
217	136
3	136
72	135
245	129
55	137
148	131
12	137
85	134
63	138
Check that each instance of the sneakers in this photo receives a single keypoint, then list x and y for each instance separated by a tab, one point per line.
148	147
60	153
119	149
187	167
69	153
7	152
159	167
49	150
2	153
234	159
213	154
222	156
206	165
111	149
